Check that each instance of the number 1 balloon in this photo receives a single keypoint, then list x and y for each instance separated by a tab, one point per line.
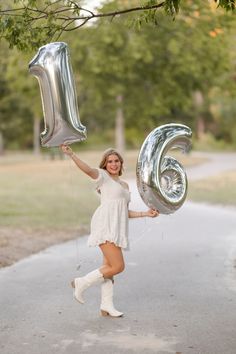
52	68
161	180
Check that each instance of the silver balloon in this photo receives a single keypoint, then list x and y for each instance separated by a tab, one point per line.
52	68
161	180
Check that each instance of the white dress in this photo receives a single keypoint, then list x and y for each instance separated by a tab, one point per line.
110	220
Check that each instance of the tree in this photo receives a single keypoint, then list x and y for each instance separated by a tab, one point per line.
17	100
157	73
25	86
148	76
30	23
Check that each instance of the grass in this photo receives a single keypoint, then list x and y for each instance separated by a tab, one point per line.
219	189
37	192
44	201
40	193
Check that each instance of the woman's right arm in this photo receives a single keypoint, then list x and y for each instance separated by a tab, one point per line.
83	166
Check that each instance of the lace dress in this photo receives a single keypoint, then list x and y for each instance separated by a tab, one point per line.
110	220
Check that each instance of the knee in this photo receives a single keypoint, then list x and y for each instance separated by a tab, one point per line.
119	268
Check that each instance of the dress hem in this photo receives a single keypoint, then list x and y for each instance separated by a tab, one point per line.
100	242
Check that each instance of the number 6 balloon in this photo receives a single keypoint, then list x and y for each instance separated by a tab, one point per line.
52	68
161	180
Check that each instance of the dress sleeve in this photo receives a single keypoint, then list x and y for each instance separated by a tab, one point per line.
102	175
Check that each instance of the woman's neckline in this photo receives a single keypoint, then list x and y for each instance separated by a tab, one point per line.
117	180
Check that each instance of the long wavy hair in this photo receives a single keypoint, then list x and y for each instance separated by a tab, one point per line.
106	154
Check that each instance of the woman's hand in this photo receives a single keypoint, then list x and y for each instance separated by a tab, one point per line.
67	150
152	213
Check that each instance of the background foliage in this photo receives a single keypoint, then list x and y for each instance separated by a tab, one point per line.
154	69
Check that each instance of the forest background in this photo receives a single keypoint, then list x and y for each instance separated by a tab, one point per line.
133	73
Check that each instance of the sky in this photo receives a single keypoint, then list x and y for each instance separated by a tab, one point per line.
92	4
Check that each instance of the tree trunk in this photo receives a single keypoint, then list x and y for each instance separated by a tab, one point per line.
36	136
200	123
1	144
120	126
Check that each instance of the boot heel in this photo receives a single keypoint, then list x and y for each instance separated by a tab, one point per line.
104	313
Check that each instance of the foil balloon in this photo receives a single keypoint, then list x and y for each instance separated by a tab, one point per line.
161	180
52	68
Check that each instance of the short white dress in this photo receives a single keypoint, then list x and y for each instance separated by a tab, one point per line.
110	220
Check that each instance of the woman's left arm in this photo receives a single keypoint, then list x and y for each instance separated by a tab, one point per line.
152	213
140	214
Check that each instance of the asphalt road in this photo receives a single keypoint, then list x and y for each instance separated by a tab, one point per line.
215	163
178	291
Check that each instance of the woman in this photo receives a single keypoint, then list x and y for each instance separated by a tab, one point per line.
109	225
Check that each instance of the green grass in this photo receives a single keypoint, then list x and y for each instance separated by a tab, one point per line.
219	189
44	202
39	193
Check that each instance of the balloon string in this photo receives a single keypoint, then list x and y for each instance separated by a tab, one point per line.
146	227
72	186
145	230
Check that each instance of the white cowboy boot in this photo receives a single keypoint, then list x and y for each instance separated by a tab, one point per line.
107	307
81	284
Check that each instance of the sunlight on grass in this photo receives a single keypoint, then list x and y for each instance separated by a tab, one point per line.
38	192
219	189
44	193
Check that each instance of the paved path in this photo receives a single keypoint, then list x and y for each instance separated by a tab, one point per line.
178	292
215	164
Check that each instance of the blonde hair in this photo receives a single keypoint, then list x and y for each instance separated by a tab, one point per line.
106	154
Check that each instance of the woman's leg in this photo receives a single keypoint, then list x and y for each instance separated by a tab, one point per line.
107	306
113	261
105	261
106	264
113	264
83	283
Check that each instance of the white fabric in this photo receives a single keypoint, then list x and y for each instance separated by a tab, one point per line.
110	220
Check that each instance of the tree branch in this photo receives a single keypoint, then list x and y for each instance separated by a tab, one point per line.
57	17
92	15
133	9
